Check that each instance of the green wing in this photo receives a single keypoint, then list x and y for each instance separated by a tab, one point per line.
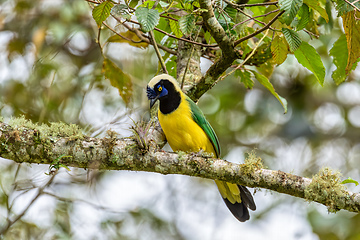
200	119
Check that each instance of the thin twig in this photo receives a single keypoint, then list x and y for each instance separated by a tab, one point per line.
91	1
158	52
173	36
128	39
311	33
96	206
247	58
147	40
40	192
353	5
155	44
254	18
186	40
250	5
260	30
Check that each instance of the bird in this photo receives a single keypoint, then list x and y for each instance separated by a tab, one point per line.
186	129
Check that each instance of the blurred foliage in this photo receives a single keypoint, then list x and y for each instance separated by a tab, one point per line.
51	67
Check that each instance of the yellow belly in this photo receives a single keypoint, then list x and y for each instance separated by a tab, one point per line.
182	132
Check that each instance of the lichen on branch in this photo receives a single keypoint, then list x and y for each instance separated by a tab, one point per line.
24	141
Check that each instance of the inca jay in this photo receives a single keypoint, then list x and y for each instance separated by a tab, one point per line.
186	129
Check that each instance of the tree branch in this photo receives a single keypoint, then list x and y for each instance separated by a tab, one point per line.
46	146
228	55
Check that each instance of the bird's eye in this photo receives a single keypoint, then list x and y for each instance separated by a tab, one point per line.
160	88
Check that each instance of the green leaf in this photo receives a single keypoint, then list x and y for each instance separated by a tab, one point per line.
343	7
292	38
164	4
309	58
118	79
291	7
339	52
279	50
350	180
352	32
121	11
132	3
175	28
187	24
245	78
231	12
261	55
315	4
149	4
266	83
304	17
165	26
101	12
148	18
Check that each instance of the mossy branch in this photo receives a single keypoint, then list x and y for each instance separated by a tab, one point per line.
25	142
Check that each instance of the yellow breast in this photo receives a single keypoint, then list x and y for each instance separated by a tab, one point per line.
182	132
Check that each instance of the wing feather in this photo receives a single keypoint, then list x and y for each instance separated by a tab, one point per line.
200	119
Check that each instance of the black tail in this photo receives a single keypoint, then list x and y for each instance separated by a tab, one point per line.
240	210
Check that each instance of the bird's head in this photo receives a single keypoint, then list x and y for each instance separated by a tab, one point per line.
161	87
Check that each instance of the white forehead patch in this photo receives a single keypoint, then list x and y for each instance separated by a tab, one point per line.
157	79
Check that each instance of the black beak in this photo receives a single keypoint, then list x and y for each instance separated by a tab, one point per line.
153	101
152	96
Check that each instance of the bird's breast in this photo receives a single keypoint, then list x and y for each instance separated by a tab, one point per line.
182	132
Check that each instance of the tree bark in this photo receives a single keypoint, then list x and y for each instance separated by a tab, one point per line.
47	145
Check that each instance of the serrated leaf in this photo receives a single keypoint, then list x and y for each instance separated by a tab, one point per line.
245	78
261	55
118	79
231	12
352	32
175	28
304	16
291	7
339	52
266	83
121	11
292	38
315	4
309	58
148	18
350	180
227	26
343	7
187	24
131	36
279	50
101	12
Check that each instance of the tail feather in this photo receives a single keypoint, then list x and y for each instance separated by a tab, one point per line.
238	205
247	198
239	210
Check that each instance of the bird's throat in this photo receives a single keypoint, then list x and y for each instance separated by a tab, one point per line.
170	103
